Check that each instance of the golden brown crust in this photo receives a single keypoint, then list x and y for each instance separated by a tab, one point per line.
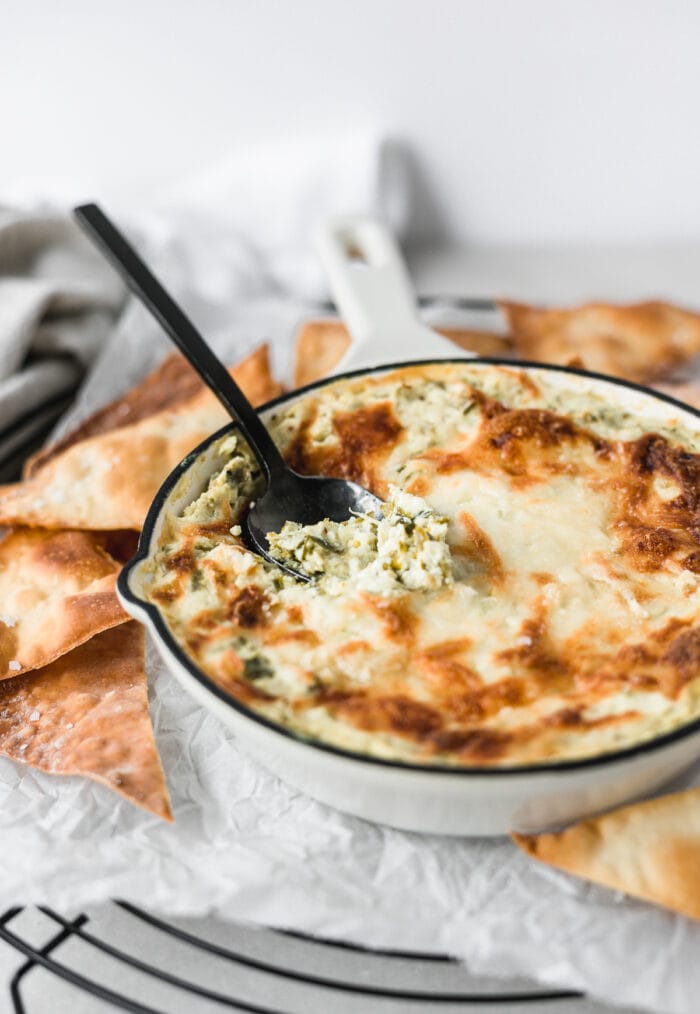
650	850
640	342
528	444
478	549
87	714
57	590
108	481
366	437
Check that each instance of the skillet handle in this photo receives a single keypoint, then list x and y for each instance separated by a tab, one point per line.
372	290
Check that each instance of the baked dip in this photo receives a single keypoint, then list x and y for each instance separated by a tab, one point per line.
531	593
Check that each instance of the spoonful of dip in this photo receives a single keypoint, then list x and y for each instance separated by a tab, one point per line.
288	496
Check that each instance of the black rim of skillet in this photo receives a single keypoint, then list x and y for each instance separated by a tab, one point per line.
154	615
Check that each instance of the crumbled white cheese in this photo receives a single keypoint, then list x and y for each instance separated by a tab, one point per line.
235	482
404	549
14	665
35	716
8	621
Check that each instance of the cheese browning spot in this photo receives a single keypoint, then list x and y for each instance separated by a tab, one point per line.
478	551
359	441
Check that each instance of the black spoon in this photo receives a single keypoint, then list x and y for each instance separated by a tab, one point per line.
288	496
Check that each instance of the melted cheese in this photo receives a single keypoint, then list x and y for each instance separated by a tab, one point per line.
570	622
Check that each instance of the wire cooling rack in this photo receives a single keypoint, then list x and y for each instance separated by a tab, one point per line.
121	956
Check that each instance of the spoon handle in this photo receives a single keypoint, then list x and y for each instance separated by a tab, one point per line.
182	331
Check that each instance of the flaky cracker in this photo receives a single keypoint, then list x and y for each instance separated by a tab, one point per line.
639	342
108	481
87	714
320	344
650	850
689	393
57	589
171	383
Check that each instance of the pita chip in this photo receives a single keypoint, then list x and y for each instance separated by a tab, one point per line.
650	850
639	342
322	343
108	481
57	589
689	393
87	714
171	383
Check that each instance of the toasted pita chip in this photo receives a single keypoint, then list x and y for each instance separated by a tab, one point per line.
108	481
87	714
321	343
689	393
171	383
650	850
638	342
57	589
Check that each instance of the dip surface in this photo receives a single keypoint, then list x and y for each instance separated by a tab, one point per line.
540	601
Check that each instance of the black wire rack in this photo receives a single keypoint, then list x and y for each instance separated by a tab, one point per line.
121	956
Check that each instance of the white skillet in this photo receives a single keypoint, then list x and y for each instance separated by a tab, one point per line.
372	290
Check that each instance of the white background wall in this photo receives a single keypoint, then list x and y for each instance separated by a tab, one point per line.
528	120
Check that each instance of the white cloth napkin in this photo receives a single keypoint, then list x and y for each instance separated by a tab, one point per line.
58	301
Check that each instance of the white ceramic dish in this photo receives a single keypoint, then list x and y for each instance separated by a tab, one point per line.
460	801
372	290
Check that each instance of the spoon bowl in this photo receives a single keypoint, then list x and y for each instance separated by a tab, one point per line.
306	500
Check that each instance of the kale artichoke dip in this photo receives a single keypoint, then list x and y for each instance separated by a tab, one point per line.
530	595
